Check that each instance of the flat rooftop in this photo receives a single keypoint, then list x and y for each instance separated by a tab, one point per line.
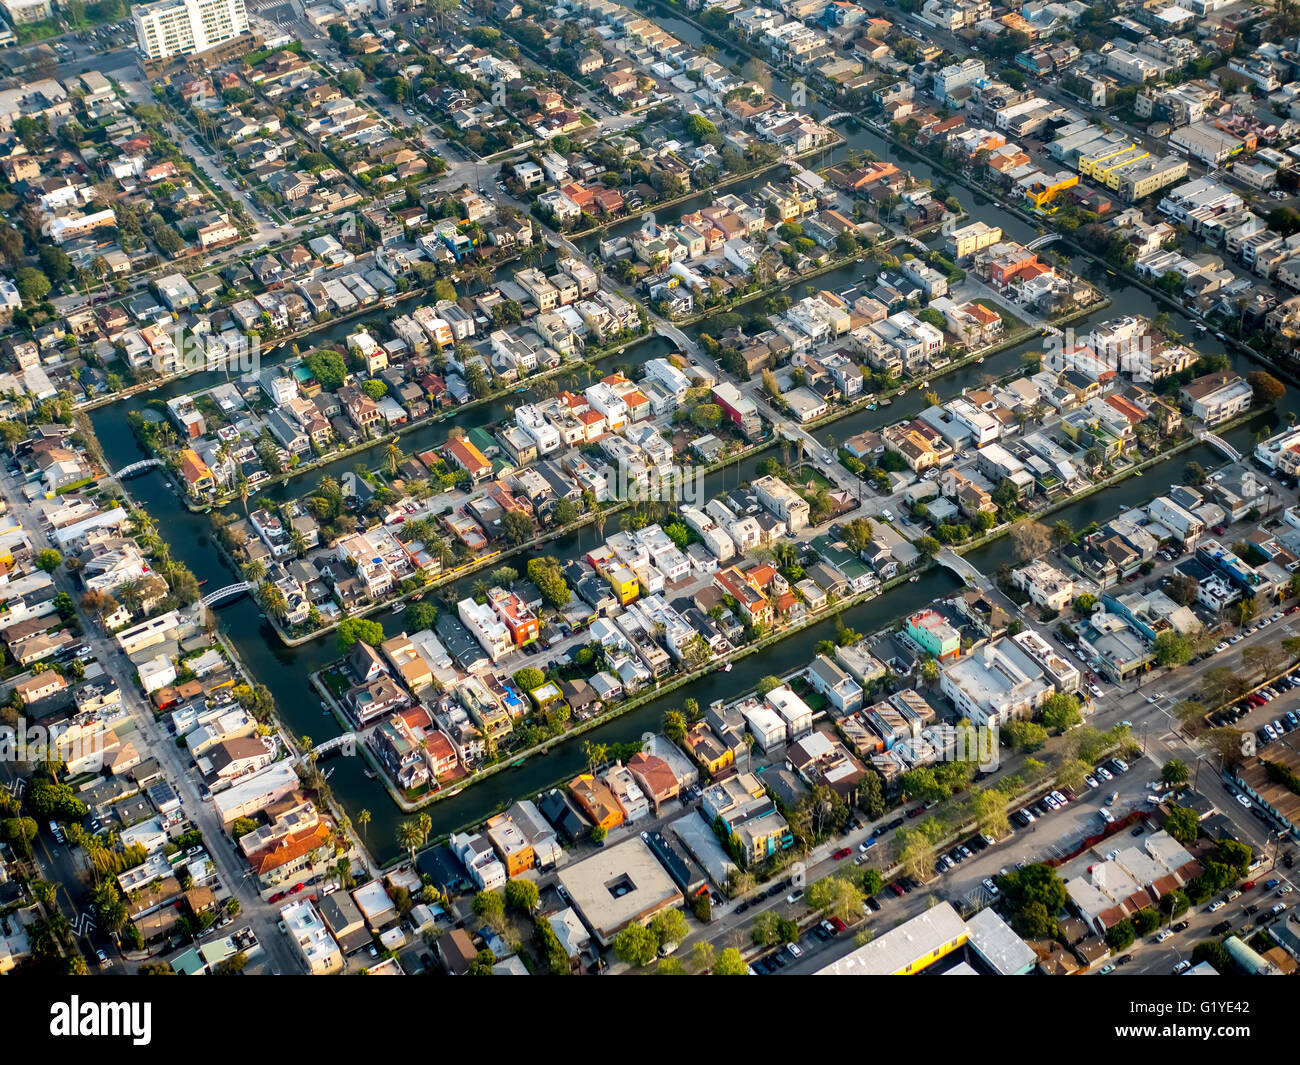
617	886
907	949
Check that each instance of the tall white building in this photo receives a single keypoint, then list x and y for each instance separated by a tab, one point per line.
182	27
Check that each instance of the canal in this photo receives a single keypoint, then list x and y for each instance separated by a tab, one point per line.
285	670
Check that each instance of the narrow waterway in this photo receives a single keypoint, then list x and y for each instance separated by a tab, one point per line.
285	670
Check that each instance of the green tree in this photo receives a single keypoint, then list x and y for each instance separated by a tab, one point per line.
636	945
1182	824
1172	648
1174	772
1024	735
730	963
1216	954
517	526
354	630
669	928
490	906
871	883
33	286
1061	712
835	896
546	573
522	895
1121	936
528	678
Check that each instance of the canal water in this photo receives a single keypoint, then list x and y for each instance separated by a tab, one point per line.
285	670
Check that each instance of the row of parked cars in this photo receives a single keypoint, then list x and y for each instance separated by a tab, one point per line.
772	892
966	849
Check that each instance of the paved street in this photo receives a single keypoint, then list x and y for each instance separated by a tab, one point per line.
153	738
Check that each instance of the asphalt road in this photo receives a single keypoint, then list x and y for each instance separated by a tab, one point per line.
151	737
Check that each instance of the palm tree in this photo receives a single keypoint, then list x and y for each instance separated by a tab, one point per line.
130	595
596	754
410	837
298	542
393	455
363	819
274	599
425	823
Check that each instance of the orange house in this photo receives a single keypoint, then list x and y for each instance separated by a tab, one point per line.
596	801
1003	273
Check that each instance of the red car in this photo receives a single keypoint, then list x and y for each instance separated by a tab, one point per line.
897	889
843	852
837	924
277	896
296	888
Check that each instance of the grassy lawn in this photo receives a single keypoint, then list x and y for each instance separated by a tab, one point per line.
809	479
335	682
1009	321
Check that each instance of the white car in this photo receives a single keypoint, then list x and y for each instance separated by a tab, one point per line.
795	950
1105	773
1120	764
1163	934
1182	966
1221	646
1112	855
1096	692
1244	801
1217	905
1091	781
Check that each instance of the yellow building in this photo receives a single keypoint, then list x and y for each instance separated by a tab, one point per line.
1105	168
622	582
709	751
908	949
1041	193
967	240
